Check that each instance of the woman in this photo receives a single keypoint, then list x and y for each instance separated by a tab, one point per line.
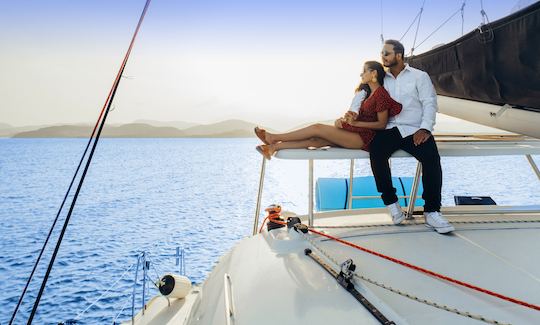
354	131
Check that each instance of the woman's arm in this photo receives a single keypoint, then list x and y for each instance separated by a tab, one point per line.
380	124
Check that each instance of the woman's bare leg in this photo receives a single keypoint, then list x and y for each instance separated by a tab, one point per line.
340	137
313	142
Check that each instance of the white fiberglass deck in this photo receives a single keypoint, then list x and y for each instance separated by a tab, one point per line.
273	282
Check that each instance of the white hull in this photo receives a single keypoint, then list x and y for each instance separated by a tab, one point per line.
501	117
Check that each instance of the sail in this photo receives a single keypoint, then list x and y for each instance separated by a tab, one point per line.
498	63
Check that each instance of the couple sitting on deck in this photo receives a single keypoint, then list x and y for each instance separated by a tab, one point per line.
396	110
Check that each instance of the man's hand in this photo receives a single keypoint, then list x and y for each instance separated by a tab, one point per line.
339	123
421	136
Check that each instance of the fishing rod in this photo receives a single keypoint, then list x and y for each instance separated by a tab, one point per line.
104	112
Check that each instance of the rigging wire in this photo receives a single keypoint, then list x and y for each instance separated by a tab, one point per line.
106	293
418	25
108	104
36	263
462	16
483	13
437	29
52	228
412	23
121	310
382	24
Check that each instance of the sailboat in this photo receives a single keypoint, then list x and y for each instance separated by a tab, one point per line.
353	266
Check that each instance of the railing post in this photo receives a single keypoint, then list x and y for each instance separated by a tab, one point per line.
144	283
134	288
183	262
261	182
351	177
414	191
533	166
310	212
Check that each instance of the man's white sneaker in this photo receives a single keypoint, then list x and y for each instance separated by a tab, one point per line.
436	221
397	214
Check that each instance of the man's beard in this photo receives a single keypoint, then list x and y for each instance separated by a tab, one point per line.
391	64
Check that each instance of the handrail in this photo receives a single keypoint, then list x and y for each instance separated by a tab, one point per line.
414	191
229	302
310	211
349	192
533	166
259	195
479	145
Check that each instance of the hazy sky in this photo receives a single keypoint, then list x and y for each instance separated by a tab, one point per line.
203	61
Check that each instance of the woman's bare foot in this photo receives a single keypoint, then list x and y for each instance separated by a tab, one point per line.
270	138
266	150
261	134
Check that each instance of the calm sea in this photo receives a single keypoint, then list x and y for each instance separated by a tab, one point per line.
155	195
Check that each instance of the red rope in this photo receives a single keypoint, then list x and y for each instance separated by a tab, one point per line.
426	271
122	66
272	218
262	225
423	270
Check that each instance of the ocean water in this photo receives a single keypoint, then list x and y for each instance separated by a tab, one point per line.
155	195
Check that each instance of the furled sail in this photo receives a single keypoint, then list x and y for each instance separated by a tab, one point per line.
498	63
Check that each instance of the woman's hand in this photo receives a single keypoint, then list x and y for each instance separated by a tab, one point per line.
350	116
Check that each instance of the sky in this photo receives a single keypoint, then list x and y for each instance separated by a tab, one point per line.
275	63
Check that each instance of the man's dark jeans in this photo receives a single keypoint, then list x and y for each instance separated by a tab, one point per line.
385	143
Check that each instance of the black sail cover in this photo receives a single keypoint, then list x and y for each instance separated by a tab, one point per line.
498	63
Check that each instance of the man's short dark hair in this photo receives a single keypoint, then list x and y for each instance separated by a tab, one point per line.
398	47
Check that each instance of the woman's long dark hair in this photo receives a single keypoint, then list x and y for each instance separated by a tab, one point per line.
373	66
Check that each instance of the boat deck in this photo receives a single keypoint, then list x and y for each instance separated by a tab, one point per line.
270	272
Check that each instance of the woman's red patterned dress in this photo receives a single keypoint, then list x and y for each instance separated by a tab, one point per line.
379	101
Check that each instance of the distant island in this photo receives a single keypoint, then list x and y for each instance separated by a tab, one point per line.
138	129
179	129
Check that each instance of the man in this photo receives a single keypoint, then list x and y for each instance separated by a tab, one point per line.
410	131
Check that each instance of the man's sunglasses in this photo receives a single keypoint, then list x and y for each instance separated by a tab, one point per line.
386	53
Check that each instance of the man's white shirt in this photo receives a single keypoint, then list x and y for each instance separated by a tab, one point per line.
357	100
414	90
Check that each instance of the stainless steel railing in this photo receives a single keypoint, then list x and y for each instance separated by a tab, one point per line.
412	196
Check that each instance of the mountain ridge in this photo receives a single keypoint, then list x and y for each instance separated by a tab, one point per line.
227	128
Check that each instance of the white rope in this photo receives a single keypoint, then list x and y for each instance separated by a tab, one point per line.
103	294
402	293
122	310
